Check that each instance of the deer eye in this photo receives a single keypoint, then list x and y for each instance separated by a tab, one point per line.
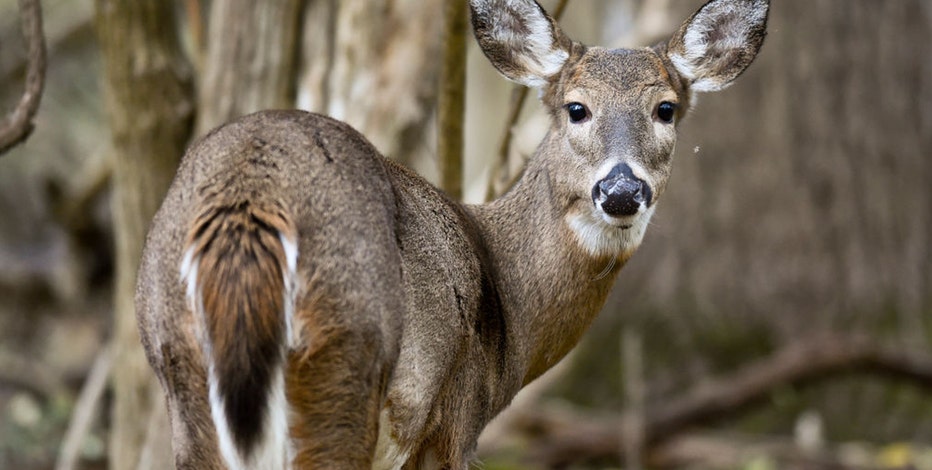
666	111
578	112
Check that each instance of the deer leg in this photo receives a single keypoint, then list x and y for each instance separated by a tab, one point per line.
194	440
334	386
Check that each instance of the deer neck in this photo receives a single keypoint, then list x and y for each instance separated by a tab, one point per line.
551	289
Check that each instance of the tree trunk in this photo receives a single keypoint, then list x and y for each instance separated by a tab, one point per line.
373	64
252	51
149	101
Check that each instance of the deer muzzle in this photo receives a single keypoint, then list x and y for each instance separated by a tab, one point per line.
621	193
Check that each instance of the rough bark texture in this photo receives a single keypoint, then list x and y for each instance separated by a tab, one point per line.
252	52
373	64
149	102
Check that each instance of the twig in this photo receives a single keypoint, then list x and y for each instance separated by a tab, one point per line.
84	410
17	125
501	177
452	101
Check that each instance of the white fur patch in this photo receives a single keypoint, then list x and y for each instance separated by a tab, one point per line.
600	236
292	331
274	451
228	449
389	454
188	276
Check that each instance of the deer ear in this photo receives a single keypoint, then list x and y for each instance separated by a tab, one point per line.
520	39
719	42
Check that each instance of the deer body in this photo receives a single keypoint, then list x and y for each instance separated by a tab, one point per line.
307	303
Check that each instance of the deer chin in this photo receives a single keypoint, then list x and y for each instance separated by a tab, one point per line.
601	235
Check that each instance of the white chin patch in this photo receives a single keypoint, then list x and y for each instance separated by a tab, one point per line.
601	235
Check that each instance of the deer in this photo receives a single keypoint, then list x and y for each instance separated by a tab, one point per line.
306	302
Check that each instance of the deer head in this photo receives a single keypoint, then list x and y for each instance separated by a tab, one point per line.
615	111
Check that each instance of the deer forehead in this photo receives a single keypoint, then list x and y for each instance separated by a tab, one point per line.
610	75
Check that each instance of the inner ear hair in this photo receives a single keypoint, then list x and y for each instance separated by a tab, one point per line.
520	40
716	44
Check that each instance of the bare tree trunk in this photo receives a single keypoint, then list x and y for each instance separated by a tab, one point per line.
149	100
252	51
373	64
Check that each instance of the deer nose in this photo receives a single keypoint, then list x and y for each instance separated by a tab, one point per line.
621	193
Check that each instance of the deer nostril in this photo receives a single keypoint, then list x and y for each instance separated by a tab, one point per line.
639	194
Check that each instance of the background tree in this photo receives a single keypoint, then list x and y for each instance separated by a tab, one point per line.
150	107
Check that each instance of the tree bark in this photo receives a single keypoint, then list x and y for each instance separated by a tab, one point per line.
251	62
373	64
149	102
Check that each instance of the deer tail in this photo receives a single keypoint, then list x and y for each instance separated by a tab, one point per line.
239	267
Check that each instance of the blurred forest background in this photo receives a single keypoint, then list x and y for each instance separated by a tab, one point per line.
778	315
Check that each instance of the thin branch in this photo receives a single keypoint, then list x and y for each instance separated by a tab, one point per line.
451	104
84	410
501	177
147	82
17	125
564	437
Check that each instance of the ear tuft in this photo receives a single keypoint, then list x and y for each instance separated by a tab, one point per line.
719	42
520	39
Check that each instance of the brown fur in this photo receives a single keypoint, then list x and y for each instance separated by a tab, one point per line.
417	318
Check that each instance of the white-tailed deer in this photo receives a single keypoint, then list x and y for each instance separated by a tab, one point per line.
307	303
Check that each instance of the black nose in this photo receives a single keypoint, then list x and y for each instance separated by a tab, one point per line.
621	193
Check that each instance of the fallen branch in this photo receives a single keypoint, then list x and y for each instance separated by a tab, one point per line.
17	125
562	437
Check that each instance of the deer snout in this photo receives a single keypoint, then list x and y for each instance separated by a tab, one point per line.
621	193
